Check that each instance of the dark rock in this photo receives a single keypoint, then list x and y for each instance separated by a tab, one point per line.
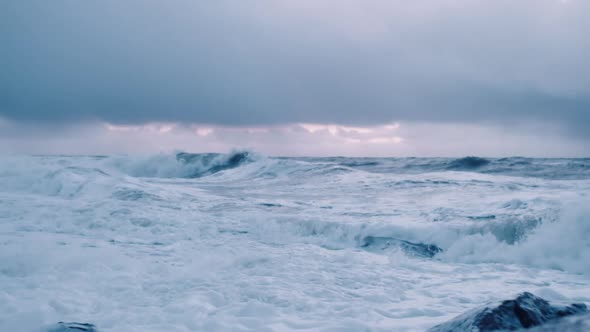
524	312
72	327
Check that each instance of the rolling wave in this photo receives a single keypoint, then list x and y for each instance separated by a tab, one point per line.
468	163
181	165
563	244
530	236
210	163
198	165
546	168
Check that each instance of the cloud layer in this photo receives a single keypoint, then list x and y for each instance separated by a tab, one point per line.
277	62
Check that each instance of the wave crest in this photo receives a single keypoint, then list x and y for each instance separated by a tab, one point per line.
563	244
209	163
183	164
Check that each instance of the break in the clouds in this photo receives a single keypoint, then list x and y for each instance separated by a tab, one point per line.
276	63
304	139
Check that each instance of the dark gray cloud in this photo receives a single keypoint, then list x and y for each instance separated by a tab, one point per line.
268	62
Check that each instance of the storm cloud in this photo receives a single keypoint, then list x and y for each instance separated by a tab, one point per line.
279	62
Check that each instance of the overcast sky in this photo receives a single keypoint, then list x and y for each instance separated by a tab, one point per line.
315	77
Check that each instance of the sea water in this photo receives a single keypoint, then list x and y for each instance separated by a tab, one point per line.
244	242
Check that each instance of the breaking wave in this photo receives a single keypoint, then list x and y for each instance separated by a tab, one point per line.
559	241
516	232
563	244
183	164
210	163
197	165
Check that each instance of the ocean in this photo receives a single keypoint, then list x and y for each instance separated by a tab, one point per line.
245	242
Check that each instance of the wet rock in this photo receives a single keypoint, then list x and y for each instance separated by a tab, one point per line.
524	312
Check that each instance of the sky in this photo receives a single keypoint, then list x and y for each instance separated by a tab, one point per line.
306	77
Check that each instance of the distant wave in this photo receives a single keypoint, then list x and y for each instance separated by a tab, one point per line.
209	163
468	163
548	168
356	163
182	164
197	165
